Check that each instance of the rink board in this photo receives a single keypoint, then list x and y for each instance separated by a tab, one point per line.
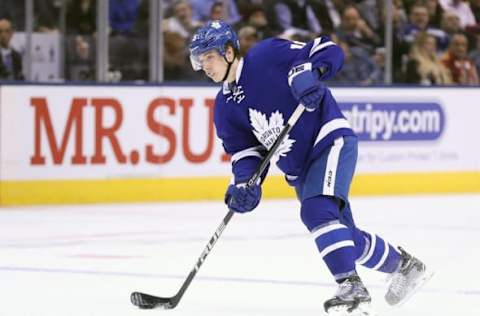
84	144
212	188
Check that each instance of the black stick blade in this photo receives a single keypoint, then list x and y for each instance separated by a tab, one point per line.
146	301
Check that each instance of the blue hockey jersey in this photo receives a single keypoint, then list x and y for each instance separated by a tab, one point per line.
251	112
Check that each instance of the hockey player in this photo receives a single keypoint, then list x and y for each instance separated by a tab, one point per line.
318	157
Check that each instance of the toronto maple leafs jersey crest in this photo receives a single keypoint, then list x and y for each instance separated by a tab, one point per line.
251	112
267	131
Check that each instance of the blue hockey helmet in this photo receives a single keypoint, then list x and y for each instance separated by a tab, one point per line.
214	35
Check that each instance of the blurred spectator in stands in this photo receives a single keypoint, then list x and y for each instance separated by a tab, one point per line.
297	17
378	74
202	10
399	19
14	11
80	58
399	16
450	24
324	11
123	16
423	66
81	15
472	30
328	14
177	65
80	44
341	5
335	9
435	12
475	7
82	48
10	59
371	11
178	29
256	16
419	22
456	59
47	15
128	50
244	6
355	31
181	21
142	25
248	37
475	54
357	68
462	9
128	57
216	12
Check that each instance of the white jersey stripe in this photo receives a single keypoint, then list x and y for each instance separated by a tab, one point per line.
316	42
326	229
331	169
252	151
384	257
317	46
365	249
370	252
338	245
330	127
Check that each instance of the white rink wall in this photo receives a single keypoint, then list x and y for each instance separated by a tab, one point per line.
128	143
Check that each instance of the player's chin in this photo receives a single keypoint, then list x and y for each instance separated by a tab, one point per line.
214	77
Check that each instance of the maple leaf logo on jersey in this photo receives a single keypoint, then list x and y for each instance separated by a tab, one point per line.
216	25
267	131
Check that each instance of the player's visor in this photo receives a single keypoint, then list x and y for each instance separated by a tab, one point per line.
198	58
195	60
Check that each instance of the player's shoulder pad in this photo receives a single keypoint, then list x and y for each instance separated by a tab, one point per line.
268	48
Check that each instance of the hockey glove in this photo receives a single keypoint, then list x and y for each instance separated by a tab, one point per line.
241	199
306	87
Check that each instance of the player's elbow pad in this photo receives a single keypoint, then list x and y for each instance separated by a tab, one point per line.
337	62
330	63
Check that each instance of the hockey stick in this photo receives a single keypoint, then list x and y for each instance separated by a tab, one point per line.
147	301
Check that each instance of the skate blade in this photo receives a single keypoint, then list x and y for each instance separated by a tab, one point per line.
426	276
363	309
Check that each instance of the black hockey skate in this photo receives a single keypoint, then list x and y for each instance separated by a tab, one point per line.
410	276
351	299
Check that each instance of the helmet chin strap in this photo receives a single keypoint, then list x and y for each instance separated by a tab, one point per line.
228	67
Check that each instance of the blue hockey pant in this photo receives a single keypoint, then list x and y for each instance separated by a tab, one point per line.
326	213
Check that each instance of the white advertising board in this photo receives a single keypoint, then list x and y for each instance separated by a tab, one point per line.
102	132
414	130
59	132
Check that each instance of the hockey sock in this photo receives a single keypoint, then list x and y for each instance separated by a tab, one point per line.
334	240
378	254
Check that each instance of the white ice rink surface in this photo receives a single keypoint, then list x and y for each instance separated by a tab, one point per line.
85	260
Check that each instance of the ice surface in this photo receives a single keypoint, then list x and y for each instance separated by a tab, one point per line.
86	260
